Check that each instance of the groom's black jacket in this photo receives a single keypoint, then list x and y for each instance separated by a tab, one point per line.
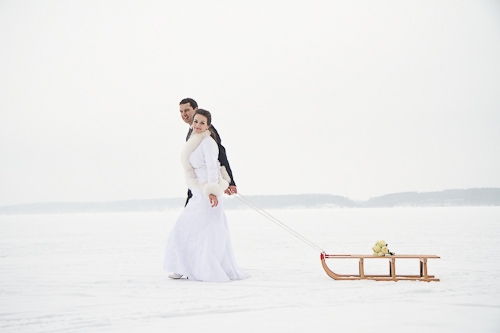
222	159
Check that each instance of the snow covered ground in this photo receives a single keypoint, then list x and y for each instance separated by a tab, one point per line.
102	273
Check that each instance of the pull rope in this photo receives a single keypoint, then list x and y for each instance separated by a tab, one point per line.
276	221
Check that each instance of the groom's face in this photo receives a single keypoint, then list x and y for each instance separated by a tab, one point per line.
187	113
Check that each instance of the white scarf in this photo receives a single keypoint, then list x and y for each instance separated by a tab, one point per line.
208	188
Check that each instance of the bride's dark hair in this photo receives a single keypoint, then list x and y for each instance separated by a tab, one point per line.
208	115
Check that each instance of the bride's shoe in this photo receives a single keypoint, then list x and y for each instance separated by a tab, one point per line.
175	276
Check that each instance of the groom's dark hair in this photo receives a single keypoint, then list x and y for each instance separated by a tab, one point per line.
191	102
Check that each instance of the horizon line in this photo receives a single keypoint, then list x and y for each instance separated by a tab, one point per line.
251	195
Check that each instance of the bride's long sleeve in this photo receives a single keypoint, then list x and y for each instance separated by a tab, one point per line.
210	154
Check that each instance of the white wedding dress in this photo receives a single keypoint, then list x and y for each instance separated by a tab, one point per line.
199	245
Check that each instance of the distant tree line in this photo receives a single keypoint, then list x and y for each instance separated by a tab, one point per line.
467	197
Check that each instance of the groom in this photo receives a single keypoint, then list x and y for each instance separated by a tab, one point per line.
188	107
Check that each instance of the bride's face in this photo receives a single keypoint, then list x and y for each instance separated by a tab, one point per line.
200	124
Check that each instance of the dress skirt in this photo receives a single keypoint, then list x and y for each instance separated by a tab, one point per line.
199	244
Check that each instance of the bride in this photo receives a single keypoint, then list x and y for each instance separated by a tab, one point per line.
199	245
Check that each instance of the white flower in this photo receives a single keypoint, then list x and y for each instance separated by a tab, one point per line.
380	249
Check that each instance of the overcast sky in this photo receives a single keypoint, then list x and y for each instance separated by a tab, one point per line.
352	98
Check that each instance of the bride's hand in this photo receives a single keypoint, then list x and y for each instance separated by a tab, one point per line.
213	200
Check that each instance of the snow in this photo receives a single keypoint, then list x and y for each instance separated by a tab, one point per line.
102	273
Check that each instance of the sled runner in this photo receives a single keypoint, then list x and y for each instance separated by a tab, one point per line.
392	276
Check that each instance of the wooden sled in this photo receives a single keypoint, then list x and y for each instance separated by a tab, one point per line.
392	276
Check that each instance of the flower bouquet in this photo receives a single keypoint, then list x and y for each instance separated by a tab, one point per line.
380	249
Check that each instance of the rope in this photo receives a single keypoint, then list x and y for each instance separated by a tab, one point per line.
276	221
